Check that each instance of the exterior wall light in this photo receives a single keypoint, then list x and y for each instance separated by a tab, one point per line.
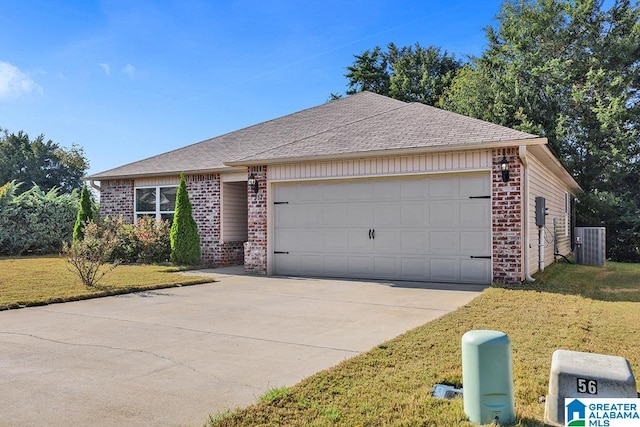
252	182
504	168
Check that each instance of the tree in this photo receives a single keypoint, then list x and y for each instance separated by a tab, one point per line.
409	73
185	242
40	162
569	71
85	214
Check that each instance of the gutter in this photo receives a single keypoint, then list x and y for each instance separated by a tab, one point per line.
522	153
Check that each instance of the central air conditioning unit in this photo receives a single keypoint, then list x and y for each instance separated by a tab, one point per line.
590	246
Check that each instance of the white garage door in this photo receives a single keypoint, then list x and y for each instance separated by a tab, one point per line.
434	228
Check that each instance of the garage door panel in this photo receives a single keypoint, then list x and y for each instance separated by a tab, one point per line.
476	243
413	214
470	186
335	240
334	265
286	239
444	187
334	192
334	215
286	192
386	240
309	216
311	192
475	213
443	214
359	266
359	215
413	268
386	215
285	216
309	264
386	190
444	242
414	242
386	267
411	228
358	240
445	269
359	190
475	271
310	240
413	189
286	264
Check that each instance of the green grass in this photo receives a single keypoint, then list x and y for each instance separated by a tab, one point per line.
27	281
569	307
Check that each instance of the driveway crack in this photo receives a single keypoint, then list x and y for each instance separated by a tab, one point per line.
108	347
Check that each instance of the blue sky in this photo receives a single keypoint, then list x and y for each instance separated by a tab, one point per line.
128	79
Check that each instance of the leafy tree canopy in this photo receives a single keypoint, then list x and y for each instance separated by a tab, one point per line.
409	73
40	162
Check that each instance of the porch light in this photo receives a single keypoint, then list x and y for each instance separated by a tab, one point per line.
504	168
252	182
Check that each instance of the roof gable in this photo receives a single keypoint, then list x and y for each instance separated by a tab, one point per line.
359	124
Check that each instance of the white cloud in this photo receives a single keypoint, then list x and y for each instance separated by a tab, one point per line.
129	70
107	69
14	82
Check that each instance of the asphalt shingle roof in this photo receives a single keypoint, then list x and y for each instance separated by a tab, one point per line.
361	123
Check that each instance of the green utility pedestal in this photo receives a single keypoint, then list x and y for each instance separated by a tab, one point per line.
487	377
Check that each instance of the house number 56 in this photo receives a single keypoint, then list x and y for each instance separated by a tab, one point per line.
587	386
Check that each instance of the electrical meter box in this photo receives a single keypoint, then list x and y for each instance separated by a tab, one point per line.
585	375
541	211
487	377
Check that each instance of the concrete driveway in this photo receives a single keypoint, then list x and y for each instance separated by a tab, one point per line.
171	357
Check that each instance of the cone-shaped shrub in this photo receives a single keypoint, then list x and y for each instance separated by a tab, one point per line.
85	214
185	242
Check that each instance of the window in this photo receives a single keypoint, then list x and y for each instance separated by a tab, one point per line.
158	202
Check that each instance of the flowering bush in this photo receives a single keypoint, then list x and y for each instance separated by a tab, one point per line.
146	242
89	255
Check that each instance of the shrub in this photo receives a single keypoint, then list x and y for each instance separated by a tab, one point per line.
85	213
34	221
146	242
185	242
153	240
89	255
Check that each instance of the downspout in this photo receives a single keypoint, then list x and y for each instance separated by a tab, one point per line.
522	153
94	185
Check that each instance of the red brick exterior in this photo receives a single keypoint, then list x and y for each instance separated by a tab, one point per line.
116	199
204	195
507	218
255	249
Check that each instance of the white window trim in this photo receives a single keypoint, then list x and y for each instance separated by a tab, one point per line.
158	213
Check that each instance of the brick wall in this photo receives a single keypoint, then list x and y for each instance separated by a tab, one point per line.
204	195
116	199
255	249
507	218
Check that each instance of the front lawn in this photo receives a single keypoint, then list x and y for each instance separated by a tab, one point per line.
569	307
26	281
